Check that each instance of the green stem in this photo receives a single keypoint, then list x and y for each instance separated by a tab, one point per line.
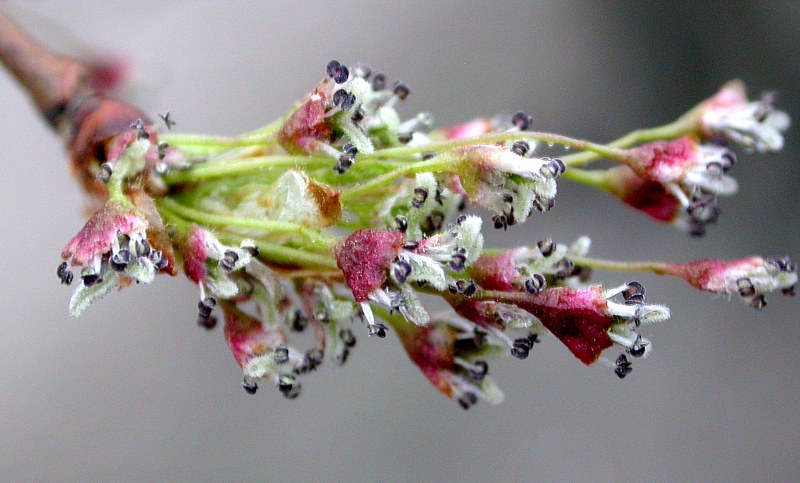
268	251
594	178
316	240
684	125
659	268
245	166
435	164
597	149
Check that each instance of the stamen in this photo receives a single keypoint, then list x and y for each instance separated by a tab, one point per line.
347	337
622	366
337	72
520	148
90	276
420	196
535	284
280	354
377	330
378	82
250	247
634	294
521	121
64	274
401	222
105	173
120	260
228	260
546	246
249	385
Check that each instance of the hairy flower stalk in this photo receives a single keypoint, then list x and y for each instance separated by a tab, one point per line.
344	212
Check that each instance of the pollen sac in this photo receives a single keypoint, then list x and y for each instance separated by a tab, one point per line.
64	273
622	367
337	71
378	330
520	148
420	196
521	121
535	284
634	294
281	354
250	386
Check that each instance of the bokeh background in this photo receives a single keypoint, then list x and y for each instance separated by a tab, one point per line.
133	390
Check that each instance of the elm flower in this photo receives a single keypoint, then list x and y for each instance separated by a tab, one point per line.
379	266
755	125
354	110
505	181
452	357
261	352
587	321
530	269
420	206
693	173
112	243
750	278
209	264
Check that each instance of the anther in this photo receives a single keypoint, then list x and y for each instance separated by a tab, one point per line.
411	245
478	371
758	302
358	115
520	148
314	357
464	287
704	208
789	291
401	223
228	260
105	173
623	367
634	294
162	262
340	96
745	287
521	120
322	315
420	195
467	400
142	248
564	268
427	156
347	337
557	167
64	273
521	347
638	348
138	126
433	222
167	120
346	158
249	385
401	90
461	219
337	71
162	150
401	270
286	382
458	259
378	82
205	306
378	330
249	246
89	276
120	260
342	356
405	137
296	320
500	222
280	354
535	284
547	247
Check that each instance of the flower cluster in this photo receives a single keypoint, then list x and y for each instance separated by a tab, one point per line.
344	214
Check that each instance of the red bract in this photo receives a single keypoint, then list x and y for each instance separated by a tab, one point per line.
307	127
577	317
365	257
99	234
643	194
247	337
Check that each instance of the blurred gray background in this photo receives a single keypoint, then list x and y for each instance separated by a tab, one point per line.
133	390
